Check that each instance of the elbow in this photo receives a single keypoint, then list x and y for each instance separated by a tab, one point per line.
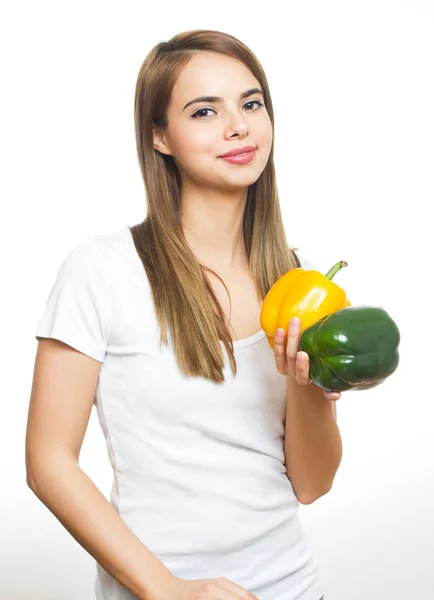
28	475
311	498
30	472
30	482
34	480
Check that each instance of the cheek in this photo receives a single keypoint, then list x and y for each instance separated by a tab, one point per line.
265	140
193	138
265	133
194	143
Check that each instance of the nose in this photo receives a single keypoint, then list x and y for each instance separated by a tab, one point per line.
237	124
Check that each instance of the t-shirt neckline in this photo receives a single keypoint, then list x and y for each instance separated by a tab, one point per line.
249	341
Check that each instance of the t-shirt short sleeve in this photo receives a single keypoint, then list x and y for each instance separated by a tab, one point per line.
76	311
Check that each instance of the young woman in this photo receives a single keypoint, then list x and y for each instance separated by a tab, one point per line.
157	325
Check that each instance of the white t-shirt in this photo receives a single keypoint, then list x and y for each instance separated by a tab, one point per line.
198	467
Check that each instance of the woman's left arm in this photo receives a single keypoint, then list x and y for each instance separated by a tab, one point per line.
313	444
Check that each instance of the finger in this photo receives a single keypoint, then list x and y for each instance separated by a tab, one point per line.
302	369
234	588
279	351
293	339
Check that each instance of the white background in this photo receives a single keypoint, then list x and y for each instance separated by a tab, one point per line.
353	94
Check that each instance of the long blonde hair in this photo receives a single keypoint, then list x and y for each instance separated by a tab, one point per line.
183	297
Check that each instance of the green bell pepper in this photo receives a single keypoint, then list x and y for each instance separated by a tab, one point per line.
354	348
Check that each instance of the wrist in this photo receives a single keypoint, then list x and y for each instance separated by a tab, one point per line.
161	588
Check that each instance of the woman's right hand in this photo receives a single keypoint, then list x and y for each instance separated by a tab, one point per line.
206	589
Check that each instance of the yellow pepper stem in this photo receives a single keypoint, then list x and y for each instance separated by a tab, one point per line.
337	267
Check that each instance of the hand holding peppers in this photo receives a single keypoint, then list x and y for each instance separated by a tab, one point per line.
334	345
289	361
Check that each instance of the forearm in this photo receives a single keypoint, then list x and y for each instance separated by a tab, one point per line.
84	511
313	444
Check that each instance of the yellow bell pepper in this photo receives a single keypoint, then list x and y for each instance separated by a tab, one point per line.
309	295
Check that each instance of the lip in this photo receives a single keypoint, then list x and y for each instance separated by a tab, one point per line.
240	159
238	151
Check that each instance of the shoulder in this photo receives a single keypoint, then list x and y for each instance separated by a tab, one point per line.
80	259
97	251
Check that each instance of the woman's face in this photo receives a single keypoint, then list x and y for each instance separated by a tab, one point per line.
198	134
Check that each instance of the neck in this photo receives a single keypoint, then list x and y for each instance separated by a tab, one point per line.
213	227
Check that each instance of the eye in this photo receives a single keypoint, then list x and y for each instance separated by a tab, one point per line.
257	102
202	110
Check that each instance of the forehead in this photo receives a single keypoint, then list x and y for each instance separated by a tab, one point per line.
210	73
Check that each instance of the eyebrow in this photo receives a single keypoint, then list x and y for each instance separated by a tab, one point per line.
220	99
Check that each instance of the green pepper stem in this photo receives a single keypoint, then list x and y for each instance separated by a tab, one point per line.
337	267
